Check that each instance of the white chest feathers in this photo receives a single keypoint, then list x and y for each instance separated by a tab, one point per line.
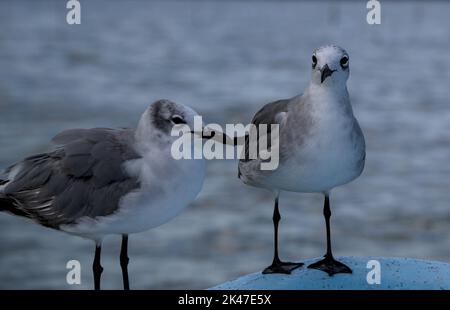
166	187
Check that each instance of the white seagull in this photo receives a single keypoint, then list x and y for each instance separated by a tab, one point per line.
107	181
321	146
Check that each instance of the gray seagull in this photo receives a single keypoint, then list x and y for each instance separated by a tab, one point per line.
104	181
321	146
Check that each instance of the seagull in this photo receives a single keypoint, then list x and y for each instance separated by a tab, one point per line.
102	181
321	146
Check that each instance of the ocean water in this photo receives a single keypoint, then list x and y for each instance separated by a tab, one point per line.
226	59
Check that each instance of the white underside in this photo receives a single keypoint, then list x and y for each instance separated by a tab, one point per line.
319	166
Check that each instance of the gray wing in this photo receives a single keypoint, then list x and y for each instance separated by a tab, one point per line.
269	114
84	176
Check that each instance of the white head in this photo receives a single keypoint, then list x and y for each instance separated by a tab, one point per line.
330	66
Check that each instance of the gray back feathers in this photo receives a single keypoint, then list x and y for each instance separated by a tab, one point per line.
266	115
84	176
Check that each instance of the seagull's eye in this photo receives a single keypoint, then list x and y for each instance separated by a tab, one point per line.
176	119
344	62
314	61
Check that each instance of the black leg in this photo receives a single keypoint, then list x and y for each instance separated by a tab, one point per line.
124	262
329	264
277	265
97	267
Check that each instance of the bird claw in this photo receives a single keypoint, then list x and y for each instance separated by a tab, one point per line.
330	266
281	267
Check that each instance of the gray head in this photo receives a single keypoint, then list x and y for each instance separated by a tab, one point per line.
165	114
330	66
161	116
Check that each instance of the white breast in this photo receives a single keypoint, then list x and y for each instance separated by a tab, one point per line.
167	187
330	156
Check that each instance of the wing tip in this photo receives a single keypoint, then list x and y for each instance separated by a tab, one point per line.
7	205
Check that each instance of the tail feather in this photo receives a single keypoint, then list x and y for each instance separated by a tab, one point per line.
4	203
7	205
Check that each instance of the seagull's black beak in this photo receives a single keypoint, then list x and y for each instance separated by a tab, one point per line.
221	137
208	134
326	72
205	134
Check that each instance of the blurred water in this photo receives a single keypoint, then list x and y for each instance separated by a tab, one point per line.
226	59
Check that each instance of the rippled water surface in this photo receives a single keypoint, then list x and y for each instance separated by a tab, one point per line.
226	59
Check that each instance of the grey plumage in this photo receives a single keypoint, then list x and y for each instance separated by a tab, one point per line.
102	181
266	115
84	176
321	146
274	113
161	113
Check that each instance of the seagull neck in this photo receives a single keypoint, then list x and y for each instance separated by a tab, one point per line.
328	94
147	137
329	99
334	90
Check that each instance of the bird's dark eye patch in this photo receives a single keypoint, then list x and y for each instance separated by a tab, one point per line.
176	119
344	62
314	61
